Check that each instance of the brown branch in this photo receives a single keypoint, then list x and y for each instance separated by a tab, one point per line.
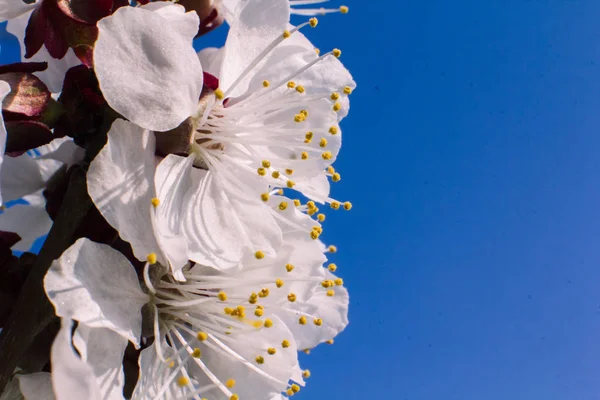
32	311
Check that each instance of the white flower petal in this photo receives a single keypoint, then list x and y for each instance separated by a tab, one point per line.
211	59
29	221
36	386
4	90
256	24
63	150
103	350
13	8
20	176
72	378
97	286
147	71
120	184
176	15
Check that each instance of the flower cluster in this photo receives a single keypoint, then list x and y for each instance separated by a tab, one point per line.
200	259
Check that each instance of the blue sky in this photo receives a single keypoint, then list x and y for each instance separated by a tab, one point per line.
471	158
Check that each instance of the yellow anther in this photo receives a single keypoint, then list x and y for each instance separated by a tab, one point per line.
347	205
332	249
280	192
330	341
286	34
318	321
219	94
317	50
323	142
336	177
302	320
202	336
332	267
260	360
347	90
299	118
304	155
264	197
304	112
312	211
278	283
259	312
317	229
314	235
321	217
330	293
327	284
310	204
253	298
289	267
271	350
337	106
289	171
155	201
333	130
285	344
339	282
295	388
306	374
336	53
291	84
196	353
151	258
228	310
266	164
283	205
327	155
289	392
240	311
290	184
222	296
306	351
182	381
261	171
300	89
264	292
230	383
335	96
275	174
344	9
335	205
308	136
297	203
291	297
266	83
259	255
234	397
268	323
313	22
330	169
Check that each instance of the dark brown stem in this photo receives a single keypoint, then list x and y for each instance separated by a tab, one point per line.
32	311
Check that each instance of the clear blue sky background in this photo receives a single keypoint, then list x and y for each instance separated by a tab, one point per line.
471	156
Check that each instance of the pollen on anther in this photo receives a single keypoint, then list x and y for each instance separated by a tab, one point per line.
318	321
333	130
219	94
337	106
202	336
283	205
335	96
313	22
323	142
183	381
317	50
259	255
155	202
222	296
336	177
266	83
291	84
285	344
291	297
286	34
151	258
275	174
196	353
330	293
289	267
304	155
289	171
344	9
306	374
278	283
327	155
271	350
234	397
230	383
347	90
290	184
302	320
260	360
295	388
332	267
268	323
321	217
347	206
336	53
297	202
300	89
335	205
261	171
264	197
332	249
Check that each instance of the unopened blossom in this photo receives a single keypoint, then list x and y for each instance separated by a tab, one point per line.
217	335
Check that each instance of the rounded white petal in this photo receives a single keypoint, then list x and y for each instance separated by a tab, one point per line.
72	378
176	15
256	24
4	90
30	221
147	70
103	350
97	286
36	386
13	8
